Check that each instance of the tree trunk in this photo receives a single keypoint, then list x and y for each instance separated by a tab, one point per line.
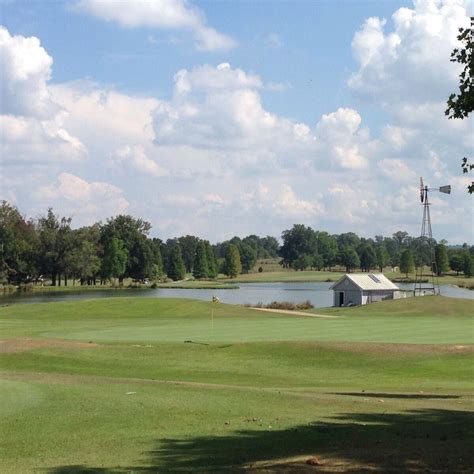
53	279
65	279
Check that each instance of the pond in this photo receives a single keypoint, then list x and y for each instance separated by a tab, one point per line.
318	293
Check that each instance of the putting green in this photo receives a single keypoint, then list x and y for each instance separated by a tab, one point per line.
425	330
444	321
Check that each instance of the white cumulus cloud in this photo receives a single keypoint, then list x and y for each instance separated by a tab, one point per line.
412	62
134	159
221	108
341	138
86	201
31	123
160	14
26	68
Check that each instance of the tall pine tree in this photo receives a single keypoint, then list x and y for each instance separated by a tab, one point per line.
211	260
407	263
176	270
232	264
200	266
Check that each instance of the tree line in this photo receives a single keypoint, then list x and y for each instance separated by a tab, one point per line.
49	248
304	247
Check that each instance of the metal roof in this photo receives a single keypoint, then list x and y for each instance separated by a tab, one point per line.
369	281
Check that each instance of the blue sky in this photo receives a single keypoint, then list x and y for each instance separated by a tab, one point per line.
222	118
303	45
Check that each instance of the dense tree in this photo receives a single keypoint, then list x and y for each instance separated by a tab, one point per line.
317	262
349	258
400	238
407	263
367	257
157	270
18	240
211	260
55	242
327	249
468	264
393	250
302	262
348	239
382	256
298	242
140	263
460	105
421	249
232	264
248	256
114	262
166	250
456	262
83	260
268	247
176	270
134	235
188	245
200	266
442	262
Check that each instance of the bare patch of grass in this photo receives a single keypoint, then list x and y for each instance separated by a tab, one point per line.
21	345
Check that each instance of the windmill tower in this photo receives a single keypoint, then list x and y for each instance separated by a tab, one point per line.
426	281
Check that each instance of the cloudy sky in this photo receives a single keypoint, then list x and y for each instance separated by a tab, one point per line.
229	118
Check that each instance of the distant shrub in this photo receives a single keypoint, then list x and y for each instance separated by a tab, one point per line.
286	305
260	269
467	285
26	287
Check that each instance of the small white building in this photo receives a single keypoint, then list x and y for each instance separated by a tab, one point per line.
354	289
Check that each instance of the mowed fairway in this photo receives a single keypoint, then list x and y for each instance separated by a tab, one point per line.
158	385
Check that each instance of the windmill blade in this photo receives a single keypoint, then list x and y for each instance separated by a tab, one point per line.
422	190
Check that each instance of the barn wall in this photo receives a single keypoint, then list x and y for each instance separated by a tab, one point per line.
374	296
352	296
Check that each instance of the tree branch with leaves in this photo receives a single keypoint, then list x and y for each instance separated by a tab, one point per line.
460	105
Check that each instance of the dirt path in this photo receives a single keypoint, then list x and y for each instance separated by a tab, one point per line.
297	313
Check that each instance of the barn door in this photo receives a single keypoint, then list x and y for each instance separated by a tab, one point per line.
341	298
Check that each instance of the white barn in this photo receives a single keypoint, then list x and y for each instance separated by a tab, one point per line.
363	288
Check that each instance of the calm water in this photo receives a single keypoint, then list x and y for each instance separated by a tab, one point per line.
318	293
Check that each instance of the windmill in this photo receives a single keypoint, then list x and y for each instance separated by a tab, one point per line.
426	282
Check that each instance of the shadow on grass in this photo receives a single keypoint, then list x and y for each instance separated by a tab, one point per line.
421	441
79	469
408	396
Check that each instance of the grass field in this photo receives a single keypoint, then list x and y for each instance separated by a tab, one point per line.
110	385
